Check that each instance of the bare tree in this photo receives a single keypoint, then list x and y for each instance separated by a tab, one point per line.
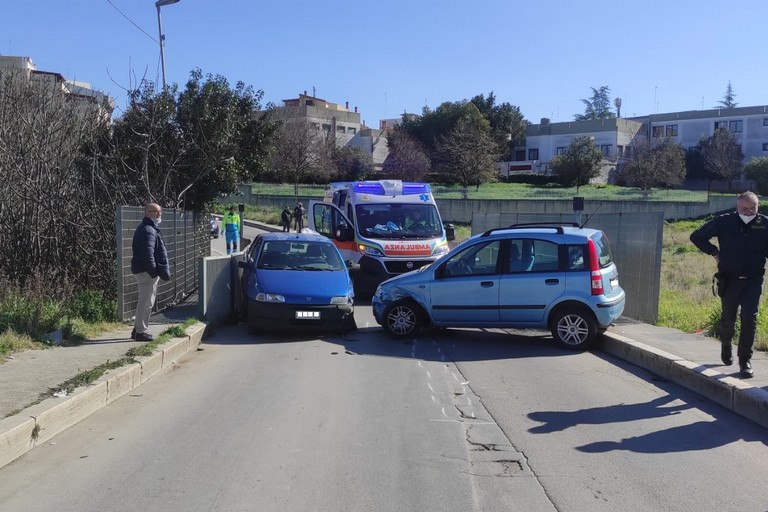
721	155
54	224
661	165
302	153
469	153
407	158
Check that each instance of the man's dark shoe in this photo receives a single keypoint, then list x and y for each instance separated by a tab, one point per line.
133	334
144	336
726	354
746	369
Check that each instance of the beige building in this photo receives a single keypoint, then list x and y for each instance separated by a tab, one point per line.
81	92
343	123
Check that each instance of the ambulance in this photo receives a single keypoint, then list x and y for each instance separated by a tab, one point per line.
385	227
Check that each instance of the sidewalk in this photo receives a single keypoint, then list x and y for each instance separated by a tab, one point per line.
690	360
29	375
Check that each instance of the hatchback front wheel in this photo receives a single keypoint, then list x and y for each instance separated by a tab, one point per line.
402	319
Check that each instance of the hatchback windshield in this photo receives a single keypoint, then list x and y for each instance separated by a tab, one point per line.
282	255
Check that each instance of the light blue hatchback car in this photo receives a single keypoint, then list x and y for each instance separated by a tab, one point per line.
556	277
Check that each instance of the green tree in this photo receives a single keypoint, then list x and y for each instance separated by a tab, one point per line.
407	158
432	125
507	123
598	106
721	155
352	163
186	150
579	164
757	170
661	165
469	153
728	100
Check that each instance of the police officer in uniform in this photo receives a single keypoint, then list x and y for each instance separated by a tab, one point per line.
232	229
741	251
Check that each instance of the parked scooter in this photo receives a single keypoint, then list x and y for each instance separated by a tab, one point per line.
214	227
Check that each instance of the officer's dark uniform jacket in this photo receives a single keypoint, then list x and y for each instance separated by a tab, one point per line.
149	254
743	247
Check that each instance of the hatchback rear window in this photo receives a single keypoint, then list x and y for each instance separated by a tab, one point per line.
603	249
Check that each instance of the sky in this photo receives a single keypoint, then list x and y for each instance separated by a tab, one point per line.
396	56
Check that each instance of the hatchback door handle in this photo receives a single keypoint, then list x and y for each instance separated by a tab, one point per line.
486	284
551	281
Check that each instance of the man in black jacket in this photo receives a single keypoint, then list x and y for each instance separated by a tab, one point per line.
742	237
148	264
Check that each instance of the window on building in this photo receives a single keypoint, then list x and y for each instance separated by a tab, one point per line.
620	151
721	124
533	154
658	131
352	130
340	129
736	126
671	130
520	155
765	121
310	103
628	152
560	150
326	127
606	150
765	146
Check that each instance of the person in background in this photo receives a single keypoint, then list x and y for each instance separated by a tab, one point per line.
285	218
231	229
741	251
298	215
149	264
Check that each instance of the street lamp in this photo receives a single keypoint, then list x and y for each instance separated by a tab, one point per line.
159	4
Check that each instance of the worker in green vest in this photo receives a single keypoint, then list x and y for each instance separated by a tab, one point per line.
232	229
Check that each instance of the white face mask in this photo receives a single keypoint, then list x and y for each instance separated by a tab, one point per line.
158	220
746	219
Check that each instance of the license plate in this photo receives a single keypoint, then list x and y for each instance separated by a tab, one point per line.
614	283
307	315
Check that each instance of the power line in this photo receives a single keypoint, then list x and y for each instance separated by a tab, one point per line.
131	21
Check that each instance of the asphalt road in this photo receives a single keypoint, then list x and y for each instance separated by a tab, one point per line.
453	420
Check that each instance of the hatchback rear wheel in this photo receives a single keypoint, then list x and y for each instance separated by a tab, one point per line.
574	327
403	318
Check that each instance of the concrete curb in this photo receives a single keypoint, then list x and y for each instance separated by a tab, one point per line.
732	393
41	422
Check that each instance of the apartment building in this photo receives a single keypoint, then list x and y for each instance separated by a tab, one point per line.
614	137
334	118
81	92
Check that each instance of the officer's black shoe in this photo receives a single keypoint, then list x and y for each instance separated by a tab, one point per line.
746	369
144	336
726	354
133	334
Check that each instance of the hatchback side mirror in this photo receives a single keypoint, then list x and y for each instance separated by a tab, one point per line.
242	264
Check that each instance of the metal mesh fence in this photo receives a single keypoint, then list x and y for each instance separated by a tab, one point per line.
186	238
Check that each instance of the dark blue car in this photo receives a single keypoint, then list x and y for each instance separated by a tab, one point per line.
296	281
